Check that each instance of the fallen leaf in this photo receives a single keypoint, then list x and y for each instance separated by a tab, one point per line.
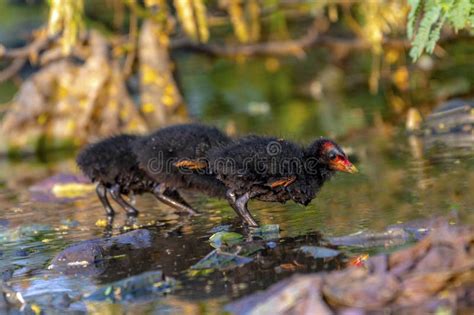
224	238
266	232
221	260
36	309
288	267
133	288
101	223
358	261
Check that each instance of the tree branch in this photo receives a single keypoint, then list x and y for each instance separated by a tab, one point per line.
33	47
21	55
12	69
283	48
290	47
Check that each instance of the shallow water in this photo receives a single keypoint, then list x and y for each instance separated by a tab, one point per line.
395	184
399	181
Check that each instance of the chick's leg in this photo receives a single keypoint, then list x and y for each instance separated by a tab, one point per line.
102	193
239	204
173	199
117	196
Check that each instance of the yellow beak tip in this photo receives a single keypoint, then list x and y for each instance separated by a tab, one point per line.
353	169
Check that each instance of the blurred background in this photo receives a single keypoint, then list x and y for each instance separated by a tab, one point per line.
391	80
75	71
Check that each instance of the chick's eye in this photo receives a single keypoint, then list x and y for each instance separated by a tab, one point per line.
332	155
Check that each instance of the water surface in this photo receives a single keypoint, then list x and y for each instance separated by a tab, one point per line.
396	184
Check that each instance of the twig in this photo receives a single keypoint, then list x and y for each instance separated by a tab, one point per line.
289	47
294	47
20	56
12	69
27	50
352	22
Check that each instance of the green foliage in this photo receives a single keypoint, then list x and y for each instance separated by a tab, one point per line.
427	17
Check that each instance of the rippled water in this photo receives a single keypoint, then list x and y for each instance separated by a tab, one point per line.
399	181
396	183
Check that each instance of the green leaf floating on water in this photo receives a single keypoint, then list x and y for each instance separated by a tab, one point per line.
267	231
319	252
136	287
221	260
224	238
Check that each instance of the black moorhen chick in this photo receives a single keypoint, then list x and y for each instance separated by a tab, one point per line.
272	169
160	156
114	164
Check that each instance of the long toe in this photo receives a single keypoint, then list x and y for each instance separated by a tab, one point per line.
252	224
108	231
192	212
132	212
130	223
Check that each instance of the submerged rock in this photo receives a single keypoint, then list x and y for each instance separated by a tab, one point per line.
450	124
394	235
82	254
436	272
91	257
365	239
454	116
134	288
21	247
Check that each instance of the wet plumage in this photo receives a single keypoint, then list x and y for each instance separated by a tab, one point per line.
271	169
201	158
112	161
112	164
160	151
120	165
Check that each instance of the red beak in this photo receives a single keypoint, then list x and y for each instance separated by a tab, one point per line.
343	165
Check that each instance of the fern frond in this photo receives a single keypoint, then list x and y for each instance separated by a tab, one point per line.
459	14
415	12
435	35
446	8
431	16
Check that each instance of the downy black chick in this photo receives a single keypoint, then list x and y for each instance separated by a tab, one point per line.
160	153
271	169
